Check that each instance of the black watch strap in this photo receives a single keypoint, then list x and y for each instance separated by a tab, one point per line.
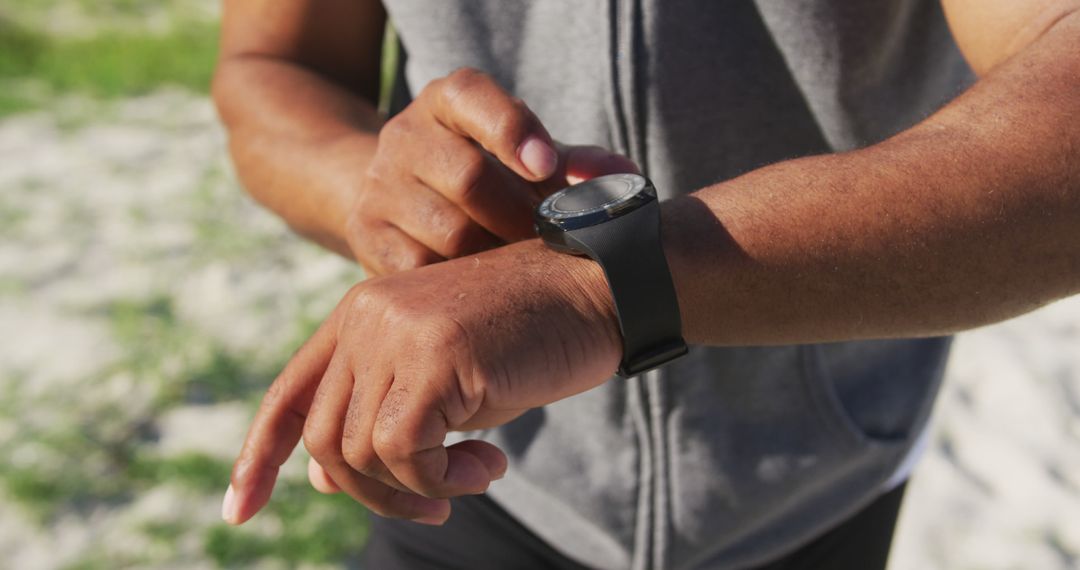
629	250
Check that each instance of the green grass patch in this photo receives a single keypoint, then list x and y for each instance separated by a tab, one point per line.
92	563
196	471
135	320
42	493
110	65
11	104
31	490
317	529
201	371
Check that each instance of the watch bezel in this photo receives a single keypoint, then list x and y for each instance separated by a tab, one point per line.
550	224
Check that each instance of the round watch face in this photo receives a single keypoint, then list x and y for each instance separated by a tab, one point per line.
604	193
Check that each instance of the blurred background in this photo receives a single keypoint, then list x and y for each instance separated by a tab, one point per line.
146	302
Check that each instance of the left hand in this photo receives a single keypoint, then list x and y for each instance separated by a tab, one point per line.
404	359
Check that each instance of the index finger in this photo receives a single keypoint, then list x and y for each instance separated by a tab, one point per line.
470	103
278	425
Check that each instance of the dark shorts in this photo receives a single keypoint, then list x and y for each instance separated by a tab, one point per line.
480	535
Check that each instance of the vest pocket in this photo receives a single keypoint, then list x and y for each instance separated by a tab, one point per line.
763	451
874	393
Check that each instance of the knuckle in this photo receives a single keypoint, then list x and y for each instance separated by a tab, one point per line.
355	219
457	240
388	436
462	80
430	91
385	440
509	124
396	130
381	255
242	472
409	258
390	256
387	257
362	201
465	73
440	336
463	184
357	300
379	171
357	289
390	445
394	125
449	91
361	458
320	446
273	395
397	315
447	332
519	103
387	308
377	178
366	298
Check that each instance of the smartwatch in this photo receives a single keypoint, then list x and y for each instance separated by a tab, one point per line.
615	220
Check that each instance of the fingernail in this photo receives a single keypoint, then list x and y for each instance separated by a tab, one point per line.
538	157
228	506
433	520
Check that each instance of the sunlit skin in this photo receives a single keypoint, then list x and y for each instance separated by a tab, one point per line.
970	217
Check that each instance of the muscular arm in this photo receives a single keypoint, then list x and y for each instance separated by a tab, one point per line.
456	172
970	217
297	86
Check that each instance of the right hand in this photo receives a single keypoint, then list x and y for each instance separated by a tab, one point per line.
459	171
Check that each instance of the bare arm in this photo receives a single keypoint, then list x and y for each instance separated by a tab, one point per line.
971	217
457	172
297	86
968	218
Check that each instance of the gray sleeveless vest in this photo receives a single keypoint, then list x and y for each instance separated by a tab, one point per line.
728	457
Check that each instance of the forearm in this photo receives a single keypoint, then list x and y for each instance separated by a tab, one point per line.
971	217
300	142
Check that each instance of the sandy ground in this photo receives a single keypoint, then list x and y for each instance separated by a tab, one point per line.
1000	486
102	204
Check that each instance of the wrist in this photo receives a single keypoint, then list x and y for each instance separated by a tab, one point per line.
696	244
578	283
615	221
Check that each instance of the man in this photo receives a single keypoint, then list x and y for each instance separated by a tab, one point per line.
824	228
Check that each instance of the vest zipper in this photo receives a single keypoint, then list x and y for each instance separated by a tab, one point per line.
627	115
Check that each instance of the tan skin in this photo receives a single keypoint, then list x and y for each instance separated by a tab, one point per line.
459	171
968	218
